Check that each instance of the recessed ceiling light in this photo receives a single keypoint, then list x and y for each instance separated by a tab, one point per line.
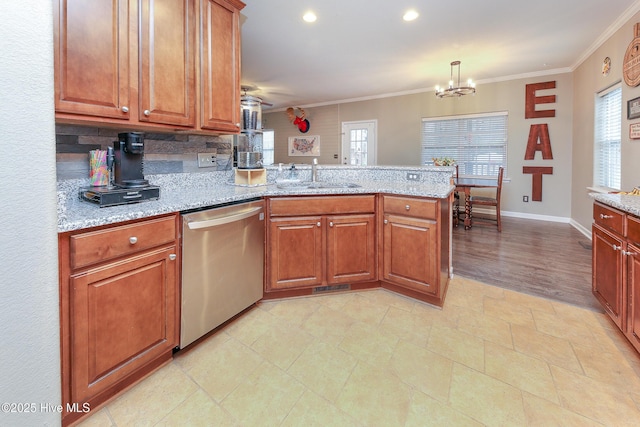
410	15
310	17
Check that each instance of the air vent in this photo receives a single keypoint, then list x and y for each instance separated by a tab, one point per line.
323	289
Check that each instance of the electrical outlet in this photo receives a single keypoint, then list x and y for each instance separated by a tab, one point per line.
412	176
525	199
207	160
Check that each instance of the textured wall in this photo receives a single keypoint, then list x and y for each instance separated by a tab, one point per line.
588	82
164	152
30	356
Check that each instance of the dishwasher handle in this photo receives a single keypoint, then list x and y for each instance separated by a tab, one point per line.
223	220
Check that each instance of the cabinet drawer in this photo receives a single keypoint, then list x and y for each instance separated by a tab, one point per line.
633	229
323	205
97	246
609	218
407	206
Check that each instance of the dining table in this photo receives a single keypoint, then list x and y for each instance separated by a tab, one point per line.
465	184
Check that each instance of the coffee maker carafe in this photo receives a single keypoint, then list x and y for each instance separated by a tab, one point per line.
128	165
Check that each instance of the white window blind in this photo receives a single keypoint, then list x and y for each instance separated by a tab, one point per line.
477	143
608	136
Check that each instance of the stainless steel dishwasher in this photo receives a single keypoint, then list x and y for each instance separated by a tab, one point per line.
222	266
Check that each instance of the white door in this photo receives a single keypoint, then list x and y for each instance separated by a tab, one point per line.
359	143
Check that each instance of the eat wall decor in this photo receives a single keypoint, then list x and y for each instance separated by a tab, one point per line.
539	139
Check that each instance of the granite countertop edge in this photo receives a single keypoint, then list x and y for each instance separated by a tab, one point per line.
185	192
626	203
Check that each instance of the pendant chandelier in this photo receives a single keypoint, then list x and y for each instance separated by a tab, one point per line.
456	91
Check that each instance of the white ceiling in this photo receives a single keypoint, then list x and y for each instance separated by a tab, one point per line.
363	48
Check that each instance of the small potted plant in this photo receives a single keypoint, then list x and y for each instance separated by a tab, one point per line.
443	161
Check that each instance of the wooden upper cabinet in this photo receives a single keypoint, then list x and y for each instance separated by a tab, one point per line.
220	65
167	62
91	51
144	63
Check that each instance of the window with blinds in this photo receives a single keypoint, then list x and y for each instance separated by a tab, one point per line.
477	143
608	136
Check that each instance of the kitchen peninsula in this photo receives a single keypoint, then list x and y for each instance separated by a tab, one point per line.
358	228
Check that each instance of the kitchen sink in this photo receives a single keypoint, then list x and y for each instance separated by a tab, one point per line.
317	185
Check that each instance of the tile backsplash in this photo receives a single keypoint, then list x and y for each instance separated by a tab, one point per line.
163	152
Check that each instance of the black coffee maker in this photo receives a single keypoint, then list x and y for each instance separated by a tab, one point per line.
128	165
126	176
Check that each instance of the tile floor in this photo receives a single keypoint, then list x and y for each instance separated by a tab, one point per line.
491	357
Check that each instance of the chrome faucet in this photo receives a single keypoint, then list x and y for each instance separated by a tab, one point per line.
314	170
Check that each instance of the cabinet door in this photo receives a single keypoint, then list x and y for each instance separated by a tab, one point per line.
123	316
633	283
220	66
167	62
91	57
410	253
351	255
607	282
295	252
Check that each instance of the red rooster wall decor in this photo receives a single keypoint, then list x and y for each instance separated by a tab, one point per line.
300	121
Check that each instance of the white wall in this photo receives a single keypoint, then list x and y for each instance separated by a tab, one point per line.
30	356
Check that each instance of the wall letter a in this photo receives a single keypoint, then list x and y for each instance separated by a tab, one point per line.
538	133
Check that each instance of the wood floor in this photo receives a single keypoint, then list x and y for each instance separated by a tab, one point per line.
541	258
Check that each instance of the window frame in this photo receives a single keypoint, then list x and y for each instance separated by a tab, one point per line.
603	138
470	136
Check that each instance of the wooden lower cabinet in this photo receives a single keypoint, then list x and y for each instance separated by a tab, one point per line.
416	239
633	282
616	268
351	248
295	254
410	248
119	318
608	271
315	248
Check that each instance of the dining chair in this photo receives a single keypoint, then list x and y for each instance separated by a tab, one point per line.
489	201
456	202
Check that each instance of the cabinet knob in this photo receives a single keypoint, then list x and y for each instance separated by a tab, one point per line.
318	224
172	257
407	207
133	240
124	109
330	223
238	124
616	248
386	221
603	216
146	113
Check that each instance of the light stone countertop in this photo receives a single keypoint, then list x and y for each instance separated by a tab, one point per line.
624	202
188	191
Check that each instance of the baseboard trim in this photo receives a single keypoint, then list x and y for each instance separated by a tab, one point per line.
537	217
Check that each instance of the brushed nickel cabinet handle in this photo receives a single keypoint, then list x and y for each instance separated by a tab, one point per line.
407	207
603	216
124	109
173	257
133	240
